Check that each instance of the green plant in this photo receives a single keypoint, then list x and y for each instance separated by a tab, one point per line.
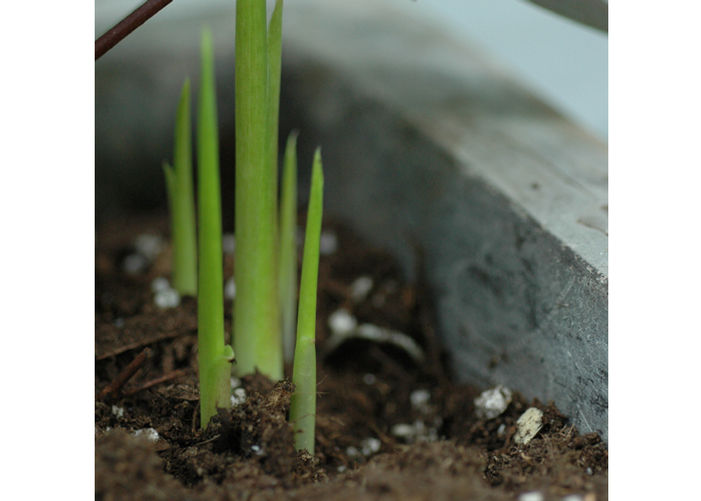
265	259
303	404
214	357
181	201
257	338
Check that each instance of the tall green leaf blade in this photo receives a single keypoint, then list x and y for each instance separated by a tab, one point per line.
257	340
303	403
274	71
183	204
213	355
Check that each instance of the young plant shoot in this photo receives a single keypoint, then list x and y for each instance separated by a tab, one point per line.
181	199
257	338
287	263
214	356
303	403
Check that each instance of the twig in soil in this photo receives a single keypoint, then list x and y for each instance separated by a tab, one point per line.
208	440
126	374
119	31
137	344
148	384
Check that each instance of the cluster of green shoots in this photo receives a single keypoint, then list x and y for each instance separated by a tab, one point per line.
264	334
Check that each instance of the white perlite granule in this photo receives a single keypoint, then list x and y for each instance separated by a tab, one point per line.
491	403
342	323
529	424
228	243
573	497
328	243
117	411
403	430
149	433
419	398
160	284
230	289
360	288
168	298
531	496
134	264
370	446
238	397
149	245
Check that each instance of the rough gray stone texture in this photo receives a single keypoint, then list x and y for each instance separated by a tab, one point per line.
427	149
430	147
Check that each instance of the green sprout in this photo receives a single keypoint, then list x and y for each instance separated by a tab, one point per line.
265	260
214	357
257	337
303	403
181	201
287	262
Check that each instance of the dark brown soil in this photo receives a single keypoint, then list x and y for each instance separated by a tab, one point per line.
365	391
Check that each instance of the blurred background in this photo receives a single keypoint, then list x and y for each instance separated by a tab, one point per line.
563	62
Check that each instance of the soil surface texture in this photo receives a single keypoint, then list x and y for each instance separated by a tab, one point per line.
391	421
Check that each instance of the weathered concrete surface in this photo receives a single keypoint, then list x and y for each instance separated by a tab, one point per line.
426	145
429	146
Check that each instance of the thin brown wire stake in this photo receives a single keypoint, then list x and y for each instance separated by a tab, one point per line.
126	374
119	31
148	384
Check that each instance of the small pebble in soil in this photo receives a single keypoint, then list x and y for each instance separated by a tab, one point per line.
148	245
235	382
230	289
419	399
360	288
529	424
491	403
238	396
531	496
501	431
341	468
342	323
590	471
160	284
134	264
168	298
328	243
352	451
370	446
403	430
573	497
369	379
257	450
150	433
118	411
228	243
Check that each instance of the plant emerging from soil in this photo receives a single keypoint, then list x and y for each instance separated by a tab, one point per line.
214	356
303	402
257	337
265	257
